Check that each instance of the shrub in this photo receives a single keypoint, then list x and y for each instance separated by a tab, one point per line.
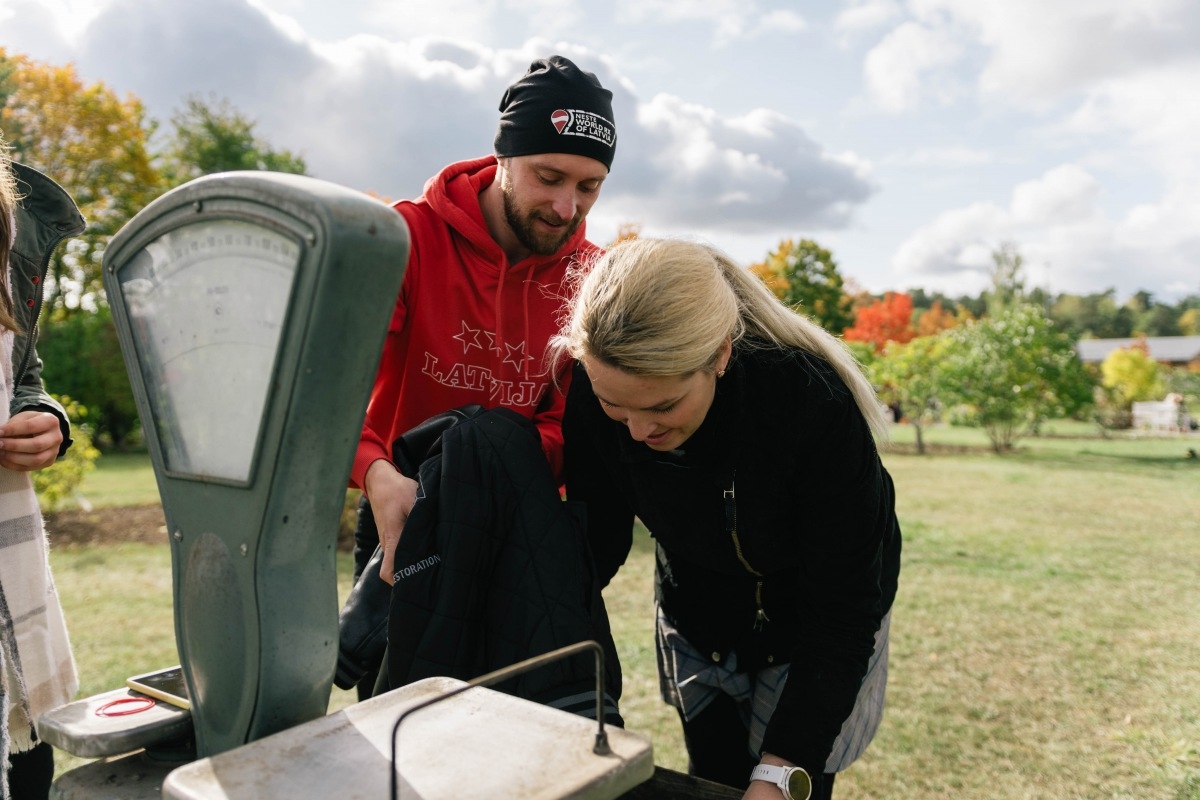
59	481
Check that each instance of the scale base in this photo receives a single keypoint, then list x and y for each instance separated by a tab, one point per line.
132	777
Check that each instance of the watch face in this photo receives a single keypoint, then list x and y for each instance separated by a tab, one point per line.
799	786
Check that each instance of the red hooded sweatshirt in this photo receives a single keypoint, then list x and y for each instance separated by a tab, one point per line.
468	327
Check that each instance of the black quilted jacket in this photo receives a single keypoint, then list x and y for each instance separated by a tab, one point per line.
493	567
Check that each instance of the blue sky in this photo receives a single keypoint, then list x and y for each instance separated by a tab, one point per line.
910	138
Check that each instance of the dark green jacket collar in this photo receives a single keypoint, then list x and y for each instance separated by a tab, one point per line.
45	215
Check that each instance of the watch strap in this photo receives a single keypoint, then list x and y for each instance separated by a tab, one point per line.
782	777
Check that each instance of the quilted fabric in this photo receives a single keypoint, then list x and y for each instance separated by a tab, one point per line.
493	567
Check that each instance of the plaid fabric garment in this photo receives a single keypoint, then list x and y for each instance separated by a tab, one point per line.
689	681
37	670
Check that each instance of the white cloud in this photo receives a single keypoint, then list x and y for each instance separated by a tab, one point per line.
897	70
780	21
1065	194
56	21
690	165
487	21
950	157
385	115
865	15
1028	53
1038	51
1063	235
952	242
730	20
1157	110
1106	83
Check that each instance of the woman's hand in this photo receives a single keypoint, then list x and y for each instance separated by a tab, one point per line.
392	496
765	790
761	790
29	441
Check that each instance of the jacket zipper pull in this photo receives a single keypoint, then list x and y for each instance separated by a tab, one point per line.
761	617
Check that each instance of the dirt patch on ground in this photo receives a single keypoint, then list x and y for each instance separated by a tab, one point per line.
932	449
133	524
107	525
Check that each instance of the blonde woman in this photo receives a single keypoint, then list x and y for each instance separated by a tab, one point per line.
37	670
743	437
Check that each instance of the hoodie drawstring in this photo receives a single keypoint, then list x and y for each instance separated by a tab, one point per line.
525	309
526	284
500	315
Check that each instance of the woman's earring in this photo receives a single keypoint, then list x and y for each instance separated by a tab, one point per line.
720	373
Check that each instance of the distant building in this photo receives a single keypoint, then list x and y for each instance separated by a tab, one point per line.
1169	415
1178	351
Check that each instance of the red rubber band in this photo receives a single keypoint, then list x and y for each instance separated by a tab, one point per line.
144	704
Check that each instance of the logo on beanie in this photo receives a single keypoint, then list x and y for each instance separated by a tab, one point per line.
576	122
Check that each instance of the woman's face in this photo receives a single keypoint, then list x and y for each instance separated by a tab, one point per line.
662	412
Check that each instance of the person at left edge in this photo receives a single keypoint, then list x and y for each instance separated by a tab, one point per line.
492	239
37	668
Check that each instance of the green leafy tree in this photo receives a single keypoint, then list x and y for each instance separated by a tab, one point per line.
1189	322
864	353
1012	371
1008	280
1186	383
83	359
213	136
1095	316
908	377
59	481
94	144
1151	318
804	275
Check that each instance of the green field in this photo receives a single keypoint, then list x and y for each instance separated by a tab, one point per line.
120	479
1045	642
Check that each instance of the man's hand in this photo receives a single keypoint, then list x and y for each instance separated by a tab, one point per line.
29	441
392	496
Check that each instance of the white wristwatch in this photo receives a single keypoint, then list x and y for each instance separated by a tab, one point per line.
794	781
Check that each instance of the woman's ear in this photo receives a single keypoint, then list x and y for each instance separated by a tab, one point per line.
724	354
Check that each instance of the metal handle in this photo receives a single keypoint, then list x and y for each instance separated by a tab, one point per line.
600	747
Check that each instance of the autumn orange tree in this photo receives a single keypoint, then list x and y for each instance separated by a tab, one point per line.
936	319
93	143
886	320
626	231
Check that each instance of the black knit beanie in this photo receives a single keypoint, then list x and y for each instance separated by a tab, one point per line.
557	108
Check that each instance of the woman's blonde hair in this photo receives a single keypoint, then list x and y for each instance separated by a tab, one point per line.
8	234
664	307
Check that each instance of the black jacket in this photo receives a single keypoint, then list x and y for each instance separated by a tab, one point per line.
785	459
493	567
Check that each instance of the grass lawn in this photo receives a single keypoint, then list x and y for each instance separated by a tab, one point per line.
120	479
1045	642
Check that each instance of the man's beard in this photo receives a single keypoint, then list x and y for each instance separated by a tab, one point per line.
527	235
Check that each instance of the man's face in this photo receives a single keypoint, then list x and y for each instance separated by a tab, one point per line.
547	196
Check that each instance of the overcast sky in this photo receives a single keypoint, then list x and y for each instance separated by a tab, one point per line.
910	138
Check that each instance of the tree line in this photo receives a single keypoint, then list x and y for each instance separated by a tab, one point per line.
1003	359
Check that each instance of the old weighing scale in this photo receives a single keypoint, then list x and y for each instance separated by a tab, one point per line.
251	309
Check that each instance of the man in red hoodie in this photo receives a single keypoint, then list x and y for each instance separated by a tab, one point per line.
492	240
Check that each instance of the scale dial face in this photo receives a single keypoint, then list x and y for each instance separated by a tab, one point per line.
206	303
